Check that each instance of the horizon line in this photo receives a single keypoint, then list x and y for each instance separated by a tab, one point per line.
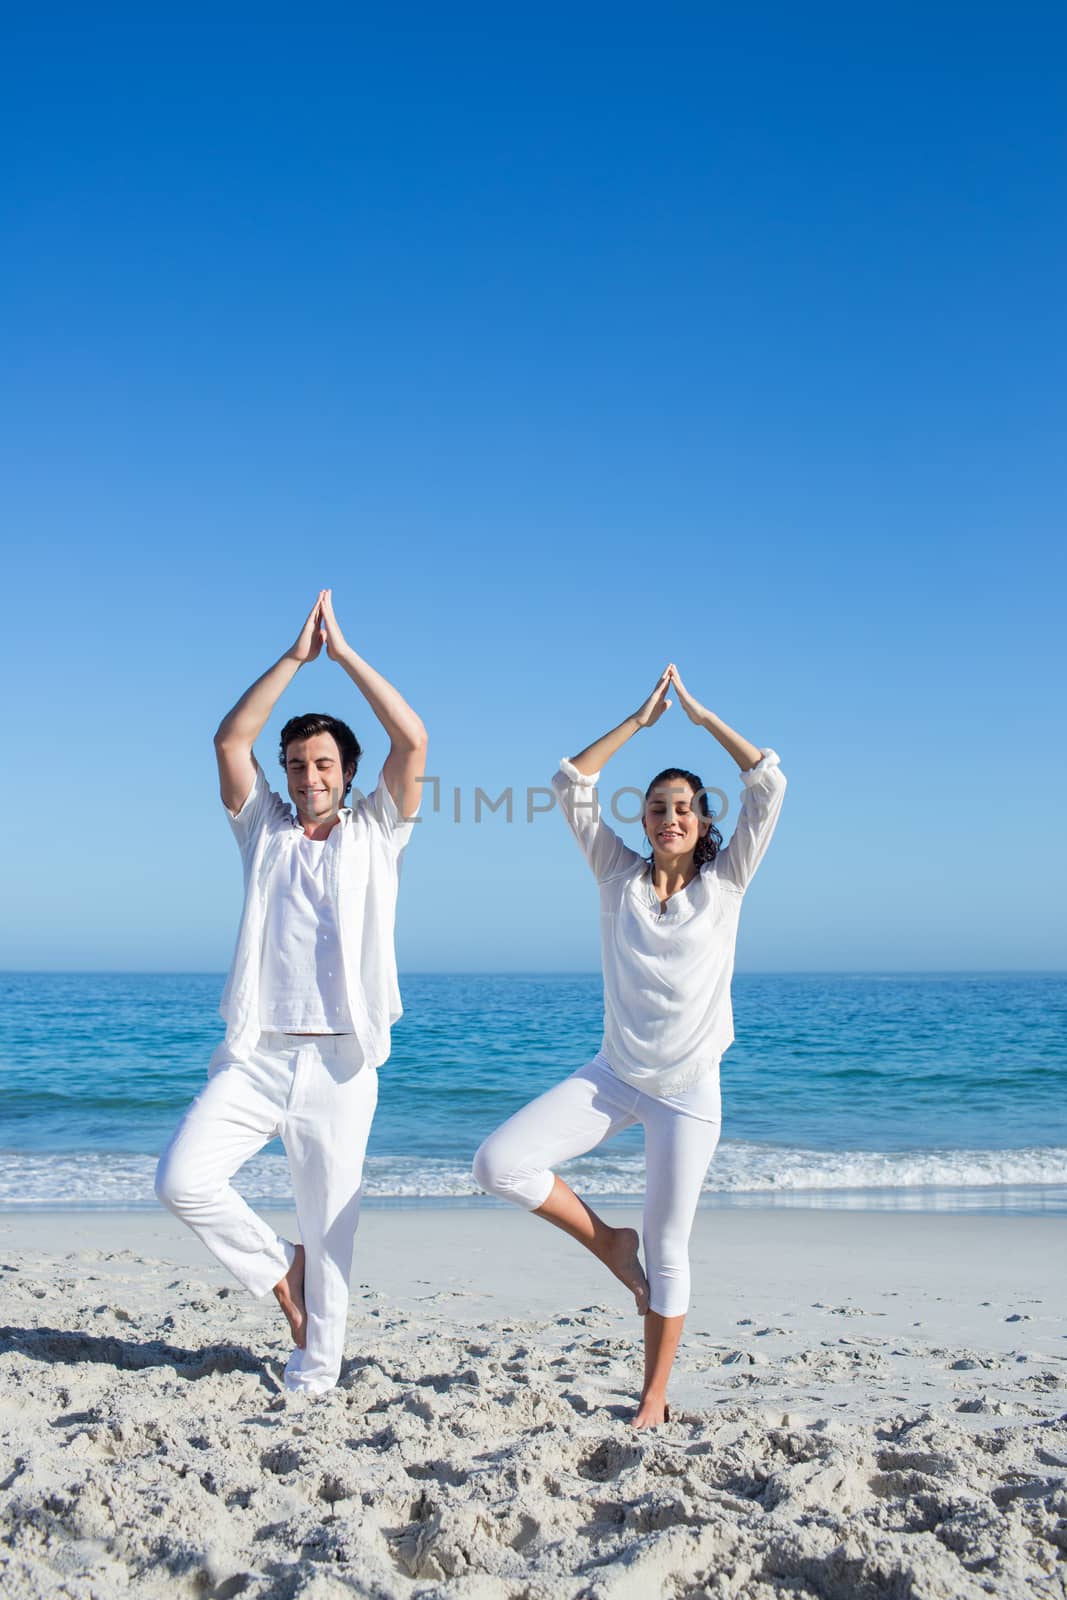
555	972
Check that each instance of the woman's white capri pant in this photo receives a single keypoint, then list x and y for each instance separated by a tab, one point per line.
516	1163
313	1093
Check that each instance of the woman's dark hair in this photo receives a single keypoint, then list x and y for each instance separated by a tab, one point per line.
313	722
709	846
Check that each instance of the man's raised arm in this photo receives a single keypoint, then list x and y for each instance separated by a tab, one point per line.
241	727
406	761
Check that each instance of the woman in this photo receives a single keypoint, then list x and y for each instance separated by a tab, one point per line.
668	929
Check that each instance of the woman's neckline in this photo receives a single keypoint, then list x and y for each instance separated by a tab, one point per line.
663	907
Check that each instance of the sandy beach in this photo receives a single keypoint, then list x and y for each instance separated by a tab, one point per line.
865	1405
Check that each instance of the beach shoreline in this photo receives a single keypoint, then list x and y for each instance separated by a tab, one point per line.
860	1396
991	1200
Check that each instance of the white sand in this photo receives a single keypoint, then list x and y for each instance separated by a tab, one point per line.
865	1405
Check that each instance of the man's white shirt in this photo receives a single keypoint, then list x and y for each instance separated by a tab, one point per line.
348	895
301	975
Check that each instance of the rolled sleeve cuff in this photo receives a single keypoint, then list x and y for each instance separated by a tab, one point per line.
387	809
243	813
587	780
766	764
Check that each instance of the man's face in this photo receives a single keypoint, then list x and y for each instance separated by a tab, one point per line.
672	824
316	777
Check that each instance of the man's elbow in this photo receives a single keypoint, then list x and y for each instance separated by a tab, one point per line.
414	740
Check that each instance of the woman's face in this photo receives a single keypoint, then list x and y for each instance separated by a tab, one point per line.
672	825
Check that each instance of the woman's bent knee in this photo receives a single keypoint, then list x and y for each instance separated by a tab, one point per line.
489	1173
499	1177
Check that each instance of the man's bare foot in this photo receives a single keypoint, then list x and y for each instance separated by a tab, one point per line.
650	1413
623	1259
289	1293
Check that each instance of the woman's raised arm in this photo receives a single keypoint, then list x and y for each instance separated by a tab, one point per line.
735	744
595	756
762	799
575	789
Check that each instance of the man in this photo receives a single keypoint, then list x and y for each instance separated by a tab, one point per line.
310	999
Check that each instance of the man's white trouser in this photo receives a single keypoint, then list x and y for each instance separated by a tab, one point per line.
315	1095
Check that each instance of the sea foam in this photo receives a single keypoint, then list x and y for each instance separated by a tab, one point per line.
741	1172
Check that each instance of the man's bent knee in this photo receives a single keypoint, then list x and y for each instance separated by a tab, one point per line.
174	1188
163	1182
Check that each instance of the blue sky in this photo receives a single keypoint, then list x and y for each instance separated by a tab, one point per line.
560	343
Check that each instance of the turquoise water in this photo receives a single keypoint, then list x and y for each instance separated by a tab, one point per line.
930	1091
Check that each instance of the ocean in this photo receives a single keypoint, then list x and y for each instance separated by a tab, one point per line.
925	1092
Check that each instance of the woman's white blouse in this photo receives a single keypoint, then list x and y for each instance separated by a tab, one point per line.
667	1011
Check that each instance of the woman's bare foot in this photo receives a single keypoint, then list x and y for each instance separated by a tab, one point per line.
289	1293
651	1412
623	1259
615	1247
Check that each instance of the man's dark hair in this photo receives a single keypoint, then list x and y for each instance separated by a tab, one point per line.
709	846
313	722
